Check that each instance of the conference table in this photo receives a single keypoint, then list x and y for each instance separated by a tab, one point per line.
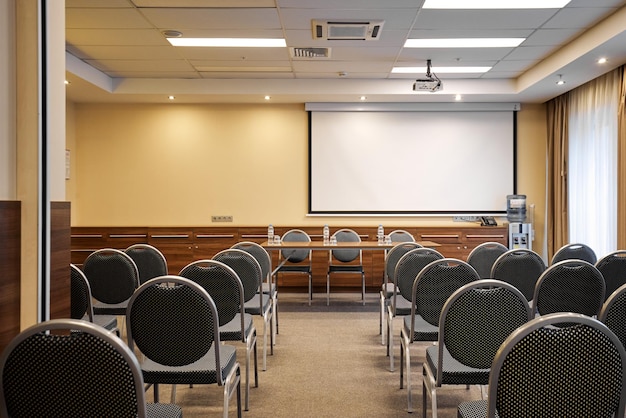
321	246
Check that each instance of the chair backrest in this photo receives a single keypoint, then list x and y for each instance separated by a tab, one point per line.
409	266
575	251
547	371
112	274
173	321
346	255
80	295
296	256
434	284
476	319
520	267
49	371
484	255
400	235
393	255
613	313
246	267
150	261
613	268
569	286
221	283
258	252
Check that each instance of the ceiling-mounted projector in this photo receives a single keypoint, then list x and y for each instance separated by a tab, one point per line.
430	82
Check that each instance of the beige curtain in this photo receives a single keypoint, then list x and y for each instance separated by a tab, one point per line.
621	164
557	220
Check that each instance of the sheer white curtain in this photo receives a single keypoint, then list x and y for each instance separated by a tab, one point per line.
592	171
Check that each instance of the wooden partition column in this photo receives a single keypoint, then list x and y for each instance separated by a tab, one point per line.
10	261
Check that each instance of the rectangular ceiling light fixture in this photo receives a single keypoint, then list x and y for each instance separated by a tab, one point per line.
495	4
440	70
464	43
229	42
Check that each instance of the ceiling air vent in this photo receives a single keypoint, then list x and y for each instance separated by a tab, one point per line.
347	30
310	52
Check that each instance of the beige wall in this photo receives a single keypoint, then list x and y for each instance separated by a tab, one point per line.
176	165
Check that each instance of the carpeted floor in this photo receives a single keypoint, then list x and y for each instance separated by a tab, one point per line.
328	361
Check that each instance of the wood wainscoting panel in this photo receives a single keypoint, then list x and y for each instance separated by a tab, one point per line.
60	258
10	265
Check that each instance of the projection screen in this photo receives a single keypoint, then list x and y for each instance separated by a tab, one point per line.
411	162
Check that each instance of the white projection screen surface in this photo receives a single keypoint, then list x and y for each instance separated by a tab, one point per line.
411	162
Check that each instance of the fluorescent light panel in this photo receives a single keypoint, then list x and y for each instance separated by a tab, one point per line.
440	70
495	4
464	43
229	42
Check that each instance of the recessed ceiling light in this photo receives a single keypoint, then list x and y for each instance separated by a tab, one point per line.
495	4
172	33
363	98
229	42
464	43
602	60
267	97
458	97
440	70
560	81
171	97
67	82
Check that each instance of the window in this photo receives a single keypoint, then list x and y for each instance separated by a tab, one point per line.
592	171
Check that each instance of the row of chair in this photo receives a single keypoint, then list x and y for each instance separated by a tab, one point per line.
346	261
235	279
408	262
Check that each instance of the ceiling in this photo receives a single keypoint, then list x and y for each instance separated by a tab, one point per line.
117	52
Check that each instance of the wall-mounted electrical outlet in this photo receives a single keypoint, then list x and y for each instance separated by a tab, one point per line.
465	218
222	218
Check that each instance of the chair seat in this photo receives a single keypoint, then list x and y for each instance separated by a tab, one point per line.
108	322
232	330
100	308
423	331
344	269
294	269
403	306
269	289
163	410
253	306
202	371
454	372
388	290
473	409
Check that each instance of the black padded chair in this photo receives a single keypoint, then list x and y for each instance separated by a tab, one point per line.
432	287
80	302
407	269
613	269
547	371
474	322
269	284
613	313
73	368
400	235
345	261
388	288
113	277
576	251
174	323
484	255
569	286
520	267
224	286
149	260
255	301
296	261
